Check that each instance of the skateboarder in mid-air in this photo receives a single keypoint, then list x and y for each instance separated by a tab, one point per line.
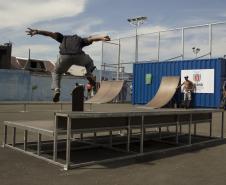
188	88
71	53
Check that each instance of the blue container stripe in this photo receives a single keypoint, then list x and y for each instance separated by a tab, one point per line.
142	93
218	83
149	86
140	86
146	92
133	84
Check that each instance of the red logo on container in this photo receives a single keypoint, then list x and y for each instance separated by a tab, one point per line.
196	77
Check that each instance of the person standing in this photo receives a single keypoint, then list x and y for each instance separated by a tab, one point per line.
188	88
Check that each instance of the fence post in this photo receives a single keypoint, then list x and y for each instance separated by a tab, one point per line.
182	44
210	40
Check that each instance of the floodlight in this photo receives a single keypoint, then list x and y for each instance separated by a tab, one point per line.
136	21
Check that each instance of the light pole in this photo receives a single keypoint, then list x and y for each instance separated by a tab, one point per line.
136	21
196	51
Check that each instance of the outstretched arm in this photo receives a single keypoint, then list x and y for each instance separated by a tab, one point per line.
98	38
33	32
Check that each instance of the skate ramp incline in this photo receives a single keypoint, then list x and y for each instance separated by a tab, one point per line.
165	92
107	92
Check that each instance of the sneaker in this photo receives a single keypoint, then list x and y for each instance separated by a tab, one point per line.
56	96
91	79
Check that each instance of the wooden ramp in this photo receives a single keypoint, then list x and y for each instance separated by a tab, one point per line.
165	92
107	92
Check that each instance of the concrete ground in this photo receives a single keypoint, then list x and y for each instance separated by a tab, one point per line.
206	166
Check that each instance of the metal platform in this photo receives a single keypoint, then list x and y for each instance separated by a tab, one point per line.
67	130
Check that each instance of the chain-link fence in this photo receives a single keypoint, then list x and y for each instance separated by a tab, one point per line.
201	41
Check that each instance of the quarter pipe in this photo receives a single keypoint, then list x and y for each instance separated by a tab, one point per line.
165	92
107	92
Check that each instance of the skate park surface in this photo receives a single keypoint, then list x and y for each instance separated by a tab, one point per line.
197	166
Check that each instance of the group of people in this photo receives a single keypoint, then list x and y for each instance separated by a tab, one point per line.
71	53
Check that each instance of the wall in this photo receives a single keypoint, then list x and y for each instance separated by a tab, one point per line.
14	85
143	93
20	85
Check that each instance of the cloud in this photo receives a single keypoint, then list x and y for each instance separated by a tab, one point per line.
24	12
80	26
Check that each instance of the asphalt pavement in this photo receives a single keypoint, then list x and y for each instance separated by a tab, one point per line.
204	166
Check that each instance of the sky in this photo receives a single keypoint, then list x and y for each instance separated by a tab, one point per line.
91	17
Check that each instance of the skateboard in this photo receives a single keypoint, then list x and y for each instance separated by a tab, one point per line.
92	80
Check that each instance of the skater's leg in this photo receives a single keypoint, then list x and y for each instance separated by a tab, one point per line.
185	99
62	66
189	99
85	61
56	79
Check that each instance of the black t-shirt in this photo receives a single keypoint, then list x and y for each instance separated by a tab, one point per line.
59	37
71	44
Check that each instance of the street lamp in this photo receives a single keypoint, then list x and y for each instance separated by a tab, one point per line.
196	50
136	21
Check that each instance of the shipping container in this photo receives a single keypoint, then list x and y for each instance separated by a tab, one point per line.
143	92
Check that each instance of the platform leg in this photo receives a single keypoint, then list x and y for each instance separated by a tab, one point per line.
111	140
160	132
142	135
195	129
177	136
95	136
68	145
39	144
222	125
211	128
5	133
14	136
55	139
167	128
81	136
180	128
128	134
189	129
25	139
